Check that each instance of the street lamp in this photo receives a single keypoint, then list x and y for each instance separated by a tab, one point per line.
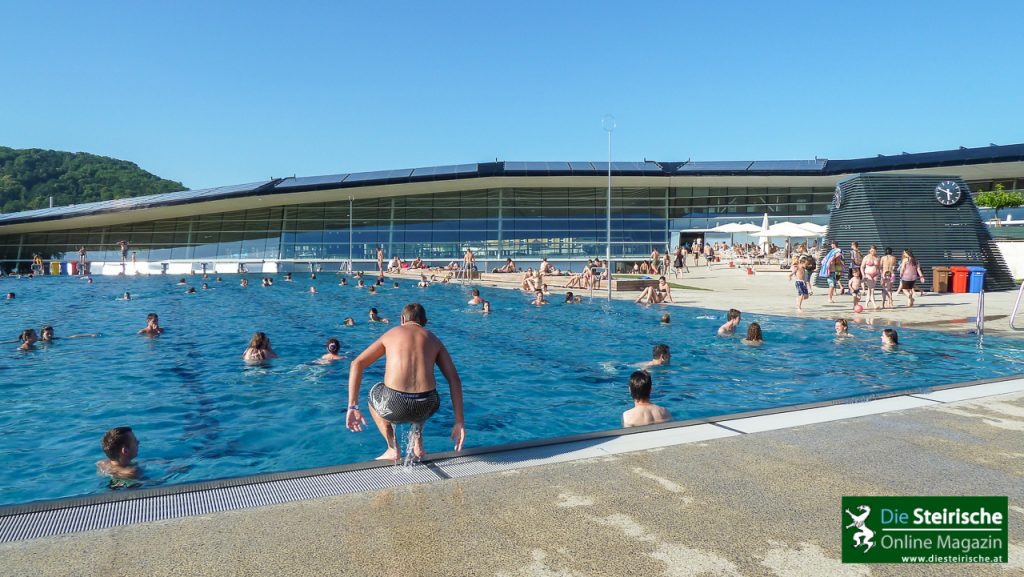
608	123
350	234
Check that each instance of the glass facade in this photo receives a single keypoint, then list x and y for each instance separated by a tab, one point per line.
558	223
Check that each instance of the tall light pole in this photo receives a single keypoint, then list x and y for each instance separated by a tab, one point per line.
608	123
350	234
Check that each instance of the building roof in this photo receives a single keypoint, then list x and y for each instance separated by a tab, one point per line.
817	167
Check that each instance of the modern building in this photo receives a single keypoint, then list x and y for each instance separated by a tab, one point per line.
523	210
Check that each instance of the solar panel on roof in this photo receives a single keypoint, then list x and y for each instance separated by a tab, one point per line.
303	181
715	165
582	166
787	165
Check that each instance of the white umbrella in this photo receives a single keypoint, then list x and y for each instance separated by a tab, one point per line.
785	230
732	228
815	228
764	228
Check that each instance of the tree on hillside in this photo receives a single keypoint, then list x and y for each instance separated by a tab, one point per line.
28	178
999	198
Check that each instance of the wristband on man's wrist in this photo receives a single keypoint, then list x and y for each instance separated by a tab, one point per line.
353	407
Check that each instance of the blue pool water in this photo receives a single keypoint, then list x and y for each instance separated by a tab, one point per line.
201	413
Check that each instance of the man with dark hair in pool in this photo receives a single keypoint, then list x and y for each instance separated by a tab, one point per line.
408	393
152	326
644	412
120	446
733	320
477	299
659	356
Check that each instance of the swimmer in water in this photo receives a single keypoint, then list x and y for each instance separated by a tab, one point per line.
349	322
477	299
644	412
312	290
890	339
754	336
152	326
394	285
569	298
344	282
659	356
191	290
206	286
46	335
288	277
729	328
372	290
842	328
665	319
333	347
10	296
259	348
127	296
120	446
182	282
375	318
244	282
28	340
539	298
486	307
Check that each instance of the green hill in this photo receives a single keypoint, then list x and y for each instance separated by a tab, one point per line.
29	177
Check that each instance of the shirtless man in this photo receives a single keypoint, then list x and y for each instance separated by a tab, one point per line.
733	320
408	393
889	286
659	356
655	263
469	260
380	259
152	326
477	299
644	412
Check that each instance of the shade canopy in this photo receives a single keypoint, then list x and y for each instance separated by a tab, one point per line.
735	227
785	230
816	228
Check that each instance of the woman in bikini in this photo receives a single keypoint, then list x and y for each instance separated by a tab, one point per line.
870	271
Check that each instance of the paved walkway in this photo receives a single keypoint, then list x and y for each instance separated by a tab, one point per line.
764	504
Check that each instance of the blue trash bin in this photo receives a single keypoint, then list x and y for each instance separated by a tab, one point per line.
977	279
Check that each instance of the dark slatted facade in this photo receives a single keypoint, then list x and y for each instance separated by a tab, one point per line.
902	211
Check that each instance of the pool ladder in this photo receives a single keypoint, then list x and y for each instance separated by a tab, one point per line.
1016	307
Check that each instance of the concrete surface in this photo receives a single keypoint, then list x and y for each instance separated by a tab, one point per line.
750	505
773	293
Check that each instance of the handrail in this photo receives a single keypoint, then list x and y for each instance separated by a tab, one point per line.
1016	305
979	319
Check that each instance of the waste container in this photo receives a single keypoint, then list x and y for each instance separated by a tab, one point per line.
960	274
73	267
977	281
54	268
940	279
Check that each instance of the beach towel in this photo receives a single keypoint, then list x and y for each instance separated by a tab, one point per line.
826	263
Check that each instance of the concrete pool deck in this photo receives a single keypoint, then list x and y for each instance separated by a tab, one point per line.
773	293
765	503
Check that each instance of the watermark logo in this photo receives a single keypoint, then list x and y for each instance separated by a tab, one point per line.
924	529
864	534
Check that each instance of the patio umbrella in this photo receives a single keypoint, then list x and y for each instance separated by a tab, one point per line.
815	228
785	230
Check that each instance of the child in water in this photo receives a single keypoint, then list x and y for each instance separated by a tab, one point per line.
120	446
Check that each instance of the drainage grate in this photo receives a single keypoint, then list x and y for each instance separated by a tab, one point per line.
130	511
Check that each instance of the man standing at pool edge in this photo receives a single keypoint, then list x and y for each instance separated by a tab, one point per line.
408	393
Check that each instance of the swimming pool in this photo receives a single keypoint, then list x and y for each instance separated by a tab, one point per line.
528	373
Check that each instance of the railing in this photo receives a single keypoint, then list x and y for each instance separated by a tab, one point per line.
979	318
1016	306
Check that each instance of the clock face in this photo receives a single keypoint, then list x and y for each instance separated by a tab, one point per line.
948	193
837	198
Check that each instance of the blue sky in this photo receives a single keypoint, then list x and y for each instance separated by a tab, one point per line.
215	93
